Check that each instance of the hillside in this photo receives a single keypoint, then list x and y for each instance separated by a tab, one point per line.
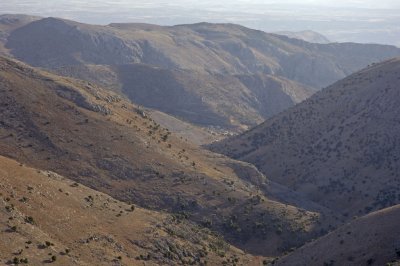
197	66
216	48
340	147
96	138
370	240
306	35
86	227
206	99
196	135
9	23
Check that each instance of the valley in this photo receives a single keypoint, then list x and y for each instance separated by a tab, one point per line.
195	144
102	141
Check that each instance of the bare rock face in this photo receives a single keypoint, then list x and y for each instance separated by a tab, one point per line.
340	147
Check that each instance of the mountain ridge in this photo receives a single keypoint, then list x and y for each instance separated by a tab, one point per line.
218	53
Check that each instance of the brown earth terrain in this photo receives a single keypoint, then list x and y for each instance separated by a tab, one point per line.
102	141
49	219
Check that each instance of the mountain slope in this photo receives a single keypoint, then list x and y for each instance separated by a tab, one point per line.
206	99
274	94
370	240
9	23
103	141
340	147
196	65
306	35
220	48
40	206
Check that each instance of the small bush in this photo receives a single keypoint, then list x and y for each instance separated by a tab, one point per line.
29	220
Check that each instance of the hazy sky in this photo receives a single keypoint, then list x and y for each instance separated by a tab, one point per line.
341	20
337	3
58	5
89	3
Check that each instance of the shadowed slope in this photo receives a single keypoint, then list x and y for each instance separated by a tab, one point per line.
340	147
370	240
206	99
9	23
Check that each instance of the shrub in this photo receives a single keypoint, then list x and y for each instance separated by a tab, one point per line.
29	220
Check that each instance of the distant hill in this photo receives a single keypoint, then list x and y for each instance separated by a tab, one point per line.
9	23
216	48
370	240
197	65
99	139
306	35
340	147
205	99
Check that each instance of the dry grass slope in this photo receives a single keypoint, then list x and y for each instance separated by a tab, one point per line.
46	218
